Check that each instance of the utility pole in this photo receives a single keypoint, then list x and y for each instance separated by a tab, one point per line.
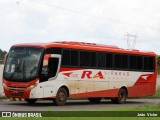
131	40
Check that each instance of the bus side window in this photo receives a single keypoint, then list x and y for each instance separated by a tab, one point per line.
66	58
151	64
109	60
101	60
85	59
53	67
146	63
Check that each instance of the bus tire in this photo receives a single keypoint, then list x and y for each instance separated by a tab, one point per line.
61	97
31	101
122	96
94	100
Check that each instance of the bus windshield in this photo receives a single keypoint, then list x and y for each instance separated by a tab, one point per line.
22	63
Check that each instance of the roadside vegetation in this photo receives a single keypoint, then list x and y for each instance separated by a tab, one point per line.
85	118
2	54
146	107
158	60
1	97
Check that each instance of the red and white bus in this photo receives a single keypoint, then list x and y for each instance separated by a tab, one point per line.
61	70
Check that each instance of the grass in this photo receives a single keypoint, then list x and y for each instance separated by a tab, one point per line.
1	98
147	107
85	118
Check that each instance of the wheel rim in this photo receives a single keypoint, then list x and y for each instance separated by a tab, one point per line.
122	97
61	97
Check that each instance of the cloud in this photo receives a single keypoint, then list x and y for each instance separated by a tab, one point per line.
103	21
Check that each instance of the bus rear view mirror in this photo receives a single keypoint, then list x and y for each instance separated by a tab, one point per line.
44	70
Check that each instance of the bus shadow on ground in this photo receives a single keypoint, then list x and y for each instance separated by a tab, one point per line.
73	103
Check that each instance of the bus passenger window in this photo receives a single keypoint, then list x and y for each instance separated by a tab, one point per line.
146	63
66	58
93	59
74	58
133	62
85	59
53	66
109	60
139	63
101	60
118	61
124	61
151	63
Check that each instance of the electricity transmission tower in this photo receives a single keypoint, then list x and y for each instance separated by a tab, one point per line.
131	40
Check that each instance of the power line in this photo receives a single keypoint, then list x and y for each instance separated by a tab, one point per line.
99	17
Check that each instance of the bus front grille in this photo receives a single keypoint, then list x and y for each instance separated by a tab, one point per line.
17	94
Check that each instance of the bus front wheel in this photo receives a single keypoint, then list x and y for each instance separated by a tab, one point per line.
61	97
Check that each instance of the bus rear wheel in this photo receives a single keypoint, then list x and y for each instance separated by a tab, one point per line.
122	96
31	101
94	100
61	97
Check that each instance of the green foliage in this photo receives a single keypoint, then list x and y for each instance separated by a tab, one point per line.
158	61
2	54
148	107
85	118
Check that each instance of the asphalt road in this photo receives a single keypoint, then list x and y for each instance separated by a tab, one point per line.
72	105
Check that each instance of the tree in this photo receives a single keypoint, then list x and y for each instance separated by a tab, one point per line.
158	60
2	54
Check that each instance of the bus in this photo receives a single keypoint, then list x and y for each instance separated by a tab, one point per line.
60	70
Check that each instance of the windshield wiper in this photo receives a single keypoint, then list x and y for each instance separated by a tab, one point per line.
33	69
16	70
23	71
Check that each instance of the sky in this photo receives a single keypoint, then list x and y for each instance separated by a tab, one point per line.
94	21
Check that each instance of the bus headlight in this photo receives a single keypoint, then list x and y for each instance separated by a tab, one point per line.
5	86
32	86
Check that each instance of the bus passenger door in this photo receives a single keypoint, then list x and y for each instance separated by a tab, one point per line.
52	71
51	67
54	65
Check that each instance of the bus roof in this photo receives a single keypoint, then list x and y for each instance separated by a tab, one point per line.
86	46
